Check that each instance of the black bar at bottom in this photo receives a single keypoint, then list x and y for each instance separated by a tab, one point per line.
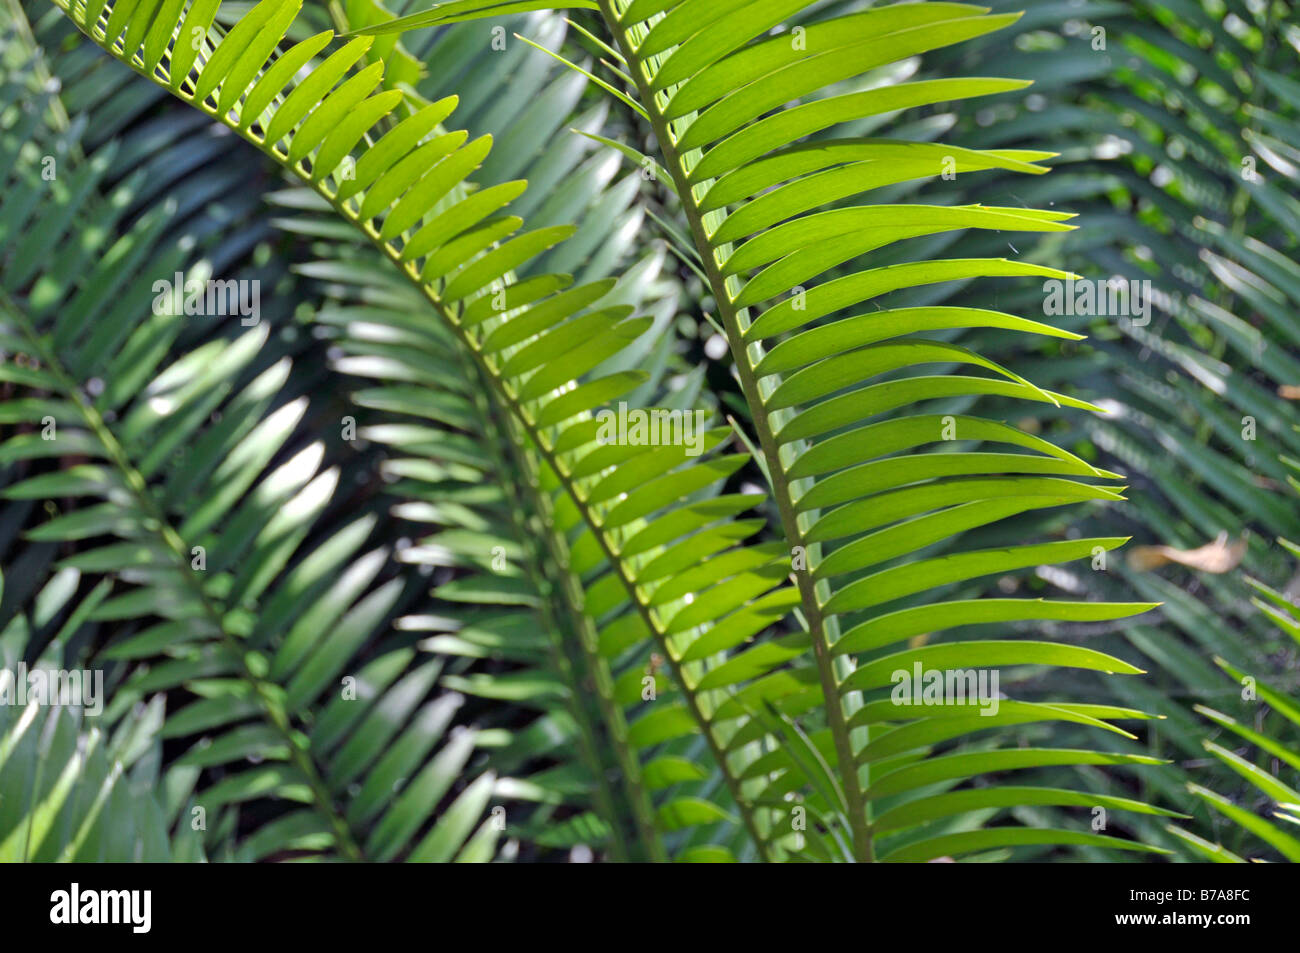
336	903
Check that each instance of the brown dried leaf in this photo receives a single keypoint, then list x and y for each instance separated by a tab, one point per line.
1219	556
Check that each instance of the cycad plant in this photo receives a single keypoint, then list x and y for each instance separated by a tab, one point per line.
543	580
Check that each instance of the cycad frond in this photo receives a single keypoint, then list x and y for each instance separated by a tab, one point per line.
769	213
668	571
199	501
531	359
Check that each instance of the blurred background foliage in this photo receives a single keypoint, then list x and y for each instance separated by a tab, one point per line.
1176	125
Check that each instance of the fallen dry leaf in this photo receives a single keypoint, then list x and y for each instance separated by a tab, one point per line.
1217	557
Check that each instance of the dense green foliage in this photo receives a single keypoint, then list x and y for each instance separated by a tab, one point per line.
365	575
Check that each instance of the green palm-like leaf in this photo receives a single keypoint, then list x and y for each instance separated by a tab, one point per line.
396	189
644	530
220	587
752	195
